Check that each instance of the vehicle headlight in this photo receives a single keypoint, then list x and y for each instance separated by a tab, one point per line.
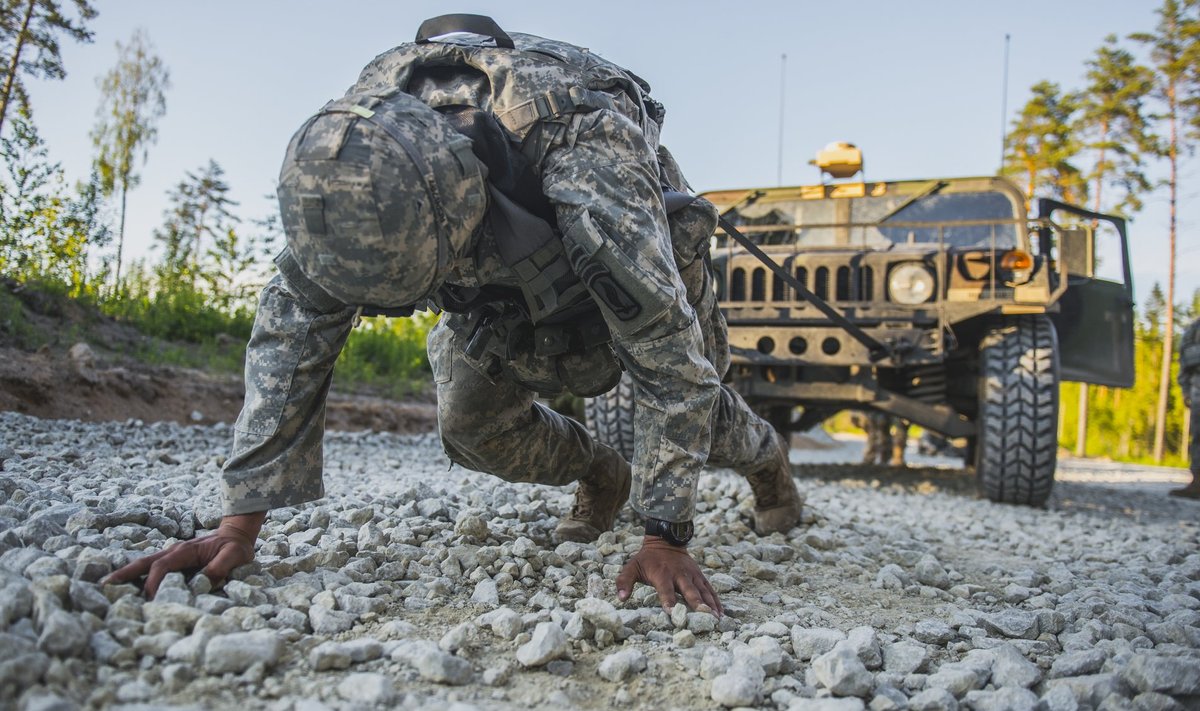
910	283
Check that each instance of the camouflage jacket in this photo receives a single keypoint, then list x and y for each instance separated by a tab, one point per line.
599	169
1189	364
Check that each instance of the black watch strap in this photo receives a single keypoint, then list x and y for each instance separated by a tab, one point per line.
677	533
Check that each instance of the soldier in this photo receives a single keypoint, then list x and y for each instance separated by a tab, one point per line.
516	184
887	437
1189	383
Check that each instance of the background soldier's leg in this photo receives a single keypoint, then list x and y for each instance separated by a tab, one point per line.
899	441
499	428
1194	448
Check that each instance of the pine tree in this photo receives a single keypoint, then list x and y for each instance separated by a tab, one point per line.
132	101
29	31
1041	146
1175	51
199	217
1113	122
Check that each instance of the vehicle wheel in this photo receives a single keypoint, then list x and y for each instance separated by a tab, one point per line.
1017	448
610	417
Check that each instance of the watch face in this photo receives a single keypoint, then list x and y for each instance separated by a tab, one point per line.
681	532
678	533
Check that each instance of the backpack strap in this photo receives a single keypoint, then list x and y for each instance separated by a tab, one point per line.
552	104
463	22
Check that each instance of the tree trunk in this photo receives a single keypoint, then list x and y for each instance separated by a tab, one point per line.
1081	432
121	230
1164	382
15	63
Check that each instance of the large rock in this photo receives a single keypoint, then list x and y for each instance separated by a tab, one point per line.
239	651
933	632
63	635
1007	699
1012	669
1168	675
1079	663
1016	624
1090	690
842	672
622	665
368	688
904	657
601	613
929	571
548	643
325	621
742	685
813	642
935	699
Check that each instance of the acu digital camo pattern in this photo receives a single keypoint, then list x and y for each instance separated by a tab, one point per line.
377	194
600	170
1189	383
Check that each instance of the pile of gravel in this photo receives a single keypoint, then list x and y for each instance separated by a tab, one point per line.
415	584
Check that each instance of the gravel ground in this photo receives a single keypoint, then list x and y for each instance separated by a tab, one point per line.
419	585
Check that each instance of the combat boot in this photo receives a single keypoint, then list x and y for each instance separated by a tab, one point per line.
1191	491
777	501
600	494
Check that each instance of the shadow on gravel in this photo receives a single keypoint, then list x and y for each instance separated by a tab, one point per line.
909	480
1138	503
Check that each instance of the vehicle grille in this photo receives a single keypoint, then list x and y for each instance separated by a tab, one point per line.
750	282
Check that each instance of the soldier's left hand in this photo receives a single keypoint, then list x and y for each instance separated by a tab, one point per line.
671	571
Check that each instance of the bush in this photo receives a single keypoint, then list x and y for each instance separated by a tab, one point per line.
388	354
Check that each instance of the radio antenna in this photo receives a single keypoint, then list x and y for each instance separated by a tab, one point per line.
782	94
1004	106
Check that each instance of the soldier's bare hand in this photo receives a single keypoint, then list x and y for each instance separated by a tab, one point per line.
671	571
215	555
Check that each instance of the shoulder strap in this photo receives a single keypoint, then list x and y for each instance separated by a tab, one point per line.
463	22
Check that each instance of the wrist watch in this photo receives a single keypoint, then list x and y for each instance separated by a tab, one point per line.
675	533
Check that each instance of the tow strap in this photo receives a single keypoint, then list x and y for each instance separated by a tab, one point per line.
878	351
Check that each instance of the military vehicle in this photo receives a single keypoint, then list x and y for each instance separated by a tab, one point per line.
939	301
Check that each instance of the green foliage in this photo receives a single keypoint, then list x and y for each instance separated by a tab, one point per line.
133	99
387	354
181	313
29	35
45	231
1113	120
1041	147
1121	421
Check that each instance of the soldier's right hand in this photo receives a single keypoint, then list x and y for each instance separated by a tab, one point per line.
672	572
215	555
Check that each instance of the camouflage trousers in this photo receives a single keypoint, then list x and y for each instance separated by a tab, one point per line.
499	427
887	437
1194	435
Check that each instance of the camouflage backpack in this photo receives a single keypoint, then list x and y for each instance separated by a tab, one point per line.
509	94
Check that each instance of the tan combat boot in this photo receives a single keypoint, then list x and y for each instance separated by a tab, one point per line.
777	502
599	495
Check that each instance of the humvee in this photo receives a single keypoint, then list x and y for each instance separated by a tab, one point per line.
940	301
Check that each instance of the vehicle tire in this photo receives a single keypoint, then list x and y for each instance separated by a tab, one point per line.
610	417
1016	451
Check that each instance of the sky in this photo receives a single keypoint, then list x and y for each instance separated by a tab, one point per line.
917	85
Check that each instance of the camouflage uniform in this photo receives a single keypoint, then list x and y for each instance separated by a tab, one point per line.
1189	383
887	437
602	171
